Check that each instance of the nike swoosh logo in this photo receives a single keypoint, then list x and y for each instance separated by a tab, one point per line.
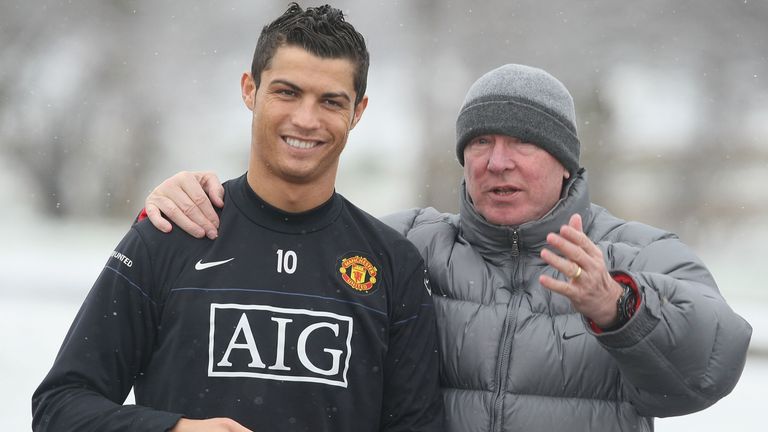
200	265
571	336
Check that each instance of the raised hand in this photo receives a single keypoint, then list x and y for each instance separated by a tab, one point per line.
590	287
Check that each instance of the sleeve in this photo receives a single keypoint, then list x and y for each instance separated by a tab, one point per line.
685	348
412	397
107	346
141	216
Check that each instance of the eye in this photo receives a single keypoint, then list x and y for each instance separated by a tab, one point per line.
481	140
333	103
526	148
285	92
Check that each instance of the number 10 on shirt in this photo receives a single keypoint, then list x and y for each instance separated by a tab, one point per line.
286	261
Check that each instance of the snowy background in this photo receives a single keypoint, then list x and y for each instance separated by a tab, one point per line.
102	99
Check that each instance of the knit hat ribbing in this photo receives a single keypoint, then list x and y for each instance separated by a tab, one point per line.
523	102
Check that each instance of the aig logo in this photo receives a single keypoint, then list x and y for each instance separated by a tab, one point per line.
257	341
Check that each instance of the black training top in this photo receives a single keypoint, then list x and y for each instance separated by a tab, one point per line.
318	321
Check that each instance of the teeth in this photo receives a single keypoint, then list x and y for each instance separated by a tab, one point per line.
293	142
504	191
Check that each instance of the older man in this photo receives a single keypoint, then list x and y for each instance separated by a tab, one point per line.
553	314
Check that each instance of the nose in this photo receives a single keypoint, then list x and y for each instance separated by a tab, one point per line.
305	116
500	158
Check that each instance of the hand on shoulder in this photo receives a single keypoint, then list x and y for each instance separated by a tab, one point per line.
187	199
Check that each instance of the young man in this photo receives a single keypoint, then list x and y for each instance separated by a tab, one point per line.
553	314
306	314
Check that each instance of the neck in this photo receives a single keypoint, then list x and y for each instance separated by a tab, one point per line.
291	197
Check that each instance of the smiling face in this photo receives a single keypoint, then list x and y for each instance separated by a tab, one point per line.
511	182
303	111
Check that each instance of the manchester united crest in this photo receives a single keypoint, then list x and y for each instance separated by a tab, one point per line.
358	273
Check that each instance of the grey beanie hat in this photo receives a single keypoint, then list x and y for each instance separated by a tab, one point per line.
523	102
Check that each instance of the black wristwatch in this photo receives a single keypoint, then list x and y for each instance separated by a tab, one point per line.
625	306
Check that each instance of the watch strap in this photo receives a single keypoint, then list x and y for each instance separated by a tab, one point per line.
626	305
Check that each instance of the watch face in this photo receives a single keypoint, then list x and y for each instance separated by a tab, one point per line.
629	309
628	303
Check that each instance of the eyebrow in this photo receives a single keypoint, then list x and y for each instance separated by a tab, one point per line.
328	95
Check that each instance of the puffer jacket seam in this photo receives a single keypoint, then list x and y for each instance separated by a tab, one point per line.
412	224
637	245
606	237
512	393
610	401
430	222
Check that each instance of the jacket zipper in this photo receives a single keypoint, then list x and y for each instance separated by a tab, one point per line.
509	333
515	242
501	367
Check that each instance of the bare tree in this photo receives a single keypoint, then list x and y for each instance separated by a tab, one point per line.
68	107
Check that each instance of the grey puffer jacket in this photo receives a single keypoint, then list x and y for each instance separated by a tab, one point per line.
517	357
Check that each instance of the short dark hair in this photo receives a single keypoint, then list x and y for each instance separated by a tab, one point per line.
321	31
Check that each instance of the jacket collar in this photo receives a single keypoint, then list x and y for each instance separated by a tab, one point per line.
530	237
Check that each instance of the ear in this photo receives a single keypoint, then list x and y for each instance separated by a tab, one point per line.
248	89
566	174
359	109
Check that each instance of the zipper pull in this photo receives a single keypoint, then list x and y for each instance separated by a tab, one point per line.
515	243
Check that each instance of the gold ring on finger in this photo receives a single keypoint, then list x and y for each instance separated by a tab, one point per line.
577	273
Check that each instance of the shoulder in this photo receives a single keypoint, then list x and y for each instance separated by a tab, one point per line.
164	256
638	246
378	228
607	227
389	244
422	220
156	240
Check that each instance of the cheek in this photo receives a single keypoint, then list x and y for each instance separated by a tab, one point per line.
548	189
339	121
342	130
469	177
474	167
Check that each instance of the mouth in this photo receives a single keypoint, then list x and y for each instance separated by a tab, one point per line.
301	144
504	191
